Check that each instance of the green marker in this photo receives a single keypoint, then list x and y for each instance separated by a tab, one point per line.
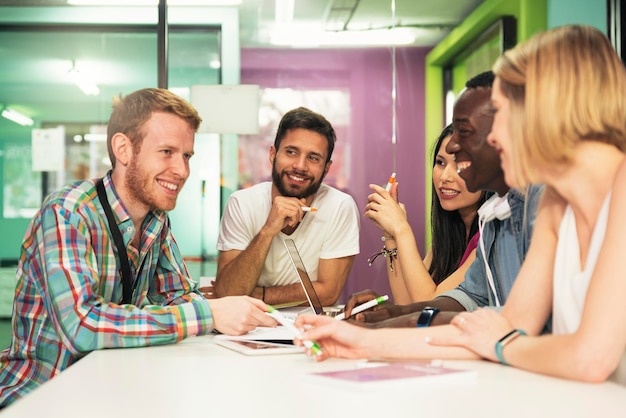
312	345
364	306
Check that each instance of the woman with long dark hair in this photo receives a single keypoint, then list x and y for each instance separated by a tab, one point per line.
414	278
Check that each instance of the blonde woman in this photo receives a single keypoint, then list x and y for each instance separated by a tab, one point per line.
560	104
560	119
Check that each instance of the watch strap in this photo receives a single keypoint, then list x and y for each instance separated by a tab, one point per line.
426	317
502	342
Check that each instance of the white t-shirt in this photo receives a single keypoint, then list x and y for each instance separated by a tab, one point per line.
330	232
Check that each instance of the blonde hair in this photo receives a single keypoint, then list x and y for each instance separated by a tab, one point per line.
564	85
130	114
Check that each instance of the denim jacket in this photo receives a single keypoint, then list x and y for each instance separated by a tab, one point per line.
506	243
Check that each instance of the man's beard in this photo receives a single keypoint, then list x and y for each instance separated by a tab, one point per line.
277	180
138	185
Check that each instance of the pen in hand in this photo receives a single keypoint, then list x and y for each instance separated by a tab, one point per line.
281	319
391	181
364	306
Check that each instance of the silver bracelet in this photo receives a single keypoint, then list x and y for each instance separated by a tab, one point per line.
388	253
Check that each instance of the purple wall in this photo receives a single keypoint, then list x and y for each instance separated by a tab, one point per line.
367	73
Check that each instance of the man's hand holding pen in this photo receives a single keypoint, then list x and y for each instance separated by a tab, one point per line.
285	212
362	297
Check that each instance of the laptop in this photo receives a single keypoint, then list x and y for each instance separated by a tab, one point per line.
315	305
265	341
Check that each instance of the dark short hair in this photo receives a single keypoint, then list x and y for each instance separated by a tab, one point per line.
484	79
304	118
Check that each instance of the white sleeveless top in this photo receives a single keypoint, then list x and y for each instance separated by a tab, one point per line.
570	282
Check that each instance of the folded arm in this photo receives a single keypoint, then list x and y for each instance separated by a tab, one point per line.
592	352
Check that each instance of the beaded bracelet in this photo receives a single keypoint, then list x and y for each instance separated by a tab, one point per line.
388	253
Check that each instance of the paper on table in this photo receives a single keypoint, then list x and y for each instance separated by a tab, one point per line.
258	347
393	375
261	341
279	333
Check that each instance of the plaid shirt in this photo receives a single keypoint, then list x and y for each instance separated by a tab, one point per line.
69	290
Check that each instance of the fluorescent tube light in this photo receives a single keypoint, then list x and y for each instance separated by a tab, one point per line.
293	36
154	2
17	117
83	82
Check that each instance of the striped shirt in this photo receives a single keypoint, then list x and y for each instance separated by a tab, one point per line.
69	290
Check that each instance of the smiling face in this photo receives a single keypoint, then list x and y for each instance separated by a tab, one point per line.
500	136
299	164
450	187
478	163
156	172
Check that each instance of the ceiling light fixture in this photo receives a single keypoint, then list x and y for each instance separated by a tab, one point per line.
297	37
88	86
153	2
17	117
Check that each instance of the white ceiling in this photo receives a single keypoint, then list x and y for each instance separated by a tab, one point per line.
432	18
33	68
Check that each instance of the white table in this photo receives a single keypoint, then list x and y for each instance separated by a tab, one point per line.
197	378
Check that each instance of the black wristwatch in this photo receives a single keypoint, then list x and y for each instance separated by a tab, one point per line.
426	317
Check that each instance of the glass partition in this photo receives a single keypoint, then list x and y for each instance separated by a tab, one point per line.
42	87
42	63
194	59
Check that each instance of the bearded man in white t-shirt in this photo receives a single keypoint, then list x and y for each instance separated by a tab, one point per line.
323	221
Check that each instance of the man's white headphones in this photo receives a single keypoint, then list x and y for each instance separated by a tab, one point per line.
494	207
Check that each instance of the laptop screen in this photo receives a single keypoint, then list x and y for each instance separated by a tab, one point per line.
303	276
